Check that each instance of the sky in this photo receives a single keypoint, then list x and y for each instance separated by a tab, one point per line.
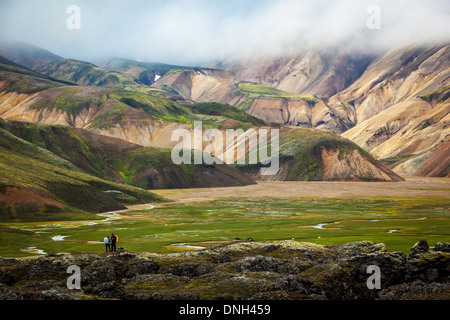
197	32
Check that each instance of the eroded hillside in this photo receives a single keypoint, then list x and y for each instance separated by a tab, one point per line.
393	105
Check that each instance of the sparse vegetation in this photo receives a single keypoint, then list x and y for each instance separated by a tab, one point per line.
396	159
21	80
63	175
244	105
85	73
436	96
345	103
424	124
56	183
255	90
300	151
159	68
169	89
224	110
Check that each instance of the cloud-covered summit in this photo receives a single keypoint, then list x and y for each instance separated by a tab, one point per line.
200	31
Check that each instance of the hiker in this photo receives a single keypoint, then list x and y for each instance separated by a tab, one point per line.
107	241
113	242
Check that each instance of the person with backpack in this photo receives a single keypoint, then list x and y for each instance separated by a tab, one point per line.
113	242
107	246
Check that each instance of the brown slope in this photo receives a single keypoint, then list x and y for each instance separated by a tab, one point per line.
136	126
206	85
323	72
413	129
437	164
397	76
201	85
316	155
391	120
175	177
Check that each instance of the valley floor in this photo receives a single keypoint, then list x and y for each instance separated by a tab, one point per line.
397	214
412	187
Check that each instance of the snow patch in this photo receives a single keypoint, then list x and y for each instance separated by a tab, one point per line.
320	226
59	238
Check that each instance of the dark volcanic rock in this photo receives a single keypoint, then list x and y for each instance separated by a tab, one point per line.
419	248
191	269
262	263
141	266
239	270
430	267
48	267
417	290
258	263
293	283
111	290
6	278
392	266
9	294
444	247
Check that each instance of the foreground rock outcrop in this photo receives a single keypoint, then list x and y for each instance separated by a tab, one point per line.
241	270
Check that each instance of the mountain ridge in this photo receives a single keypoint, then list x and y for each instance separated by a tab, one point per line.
343	112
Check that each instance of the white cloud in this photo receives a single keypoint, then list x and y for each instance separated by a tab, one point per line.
198	31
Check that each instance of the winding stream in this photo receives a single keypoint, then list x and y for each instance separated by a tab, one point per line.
186	246
109	216
34	250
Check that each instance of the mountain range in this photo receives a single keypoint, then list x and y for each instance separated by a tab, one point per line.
341	116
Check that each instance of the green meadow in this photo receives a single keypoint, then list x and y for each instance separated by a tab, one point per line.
398	223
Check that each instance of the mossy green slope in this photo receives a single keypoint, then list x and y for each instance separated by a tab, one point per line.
56	184
437	96
303	149
257	90
116	64
16	78
152	168
88	74
73	100
46	64
83	149
300	155
225	110
120	161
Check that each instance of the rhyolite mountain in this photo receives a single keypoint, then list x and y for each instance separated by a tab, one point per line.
121	161
148	120
392	104
75	71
